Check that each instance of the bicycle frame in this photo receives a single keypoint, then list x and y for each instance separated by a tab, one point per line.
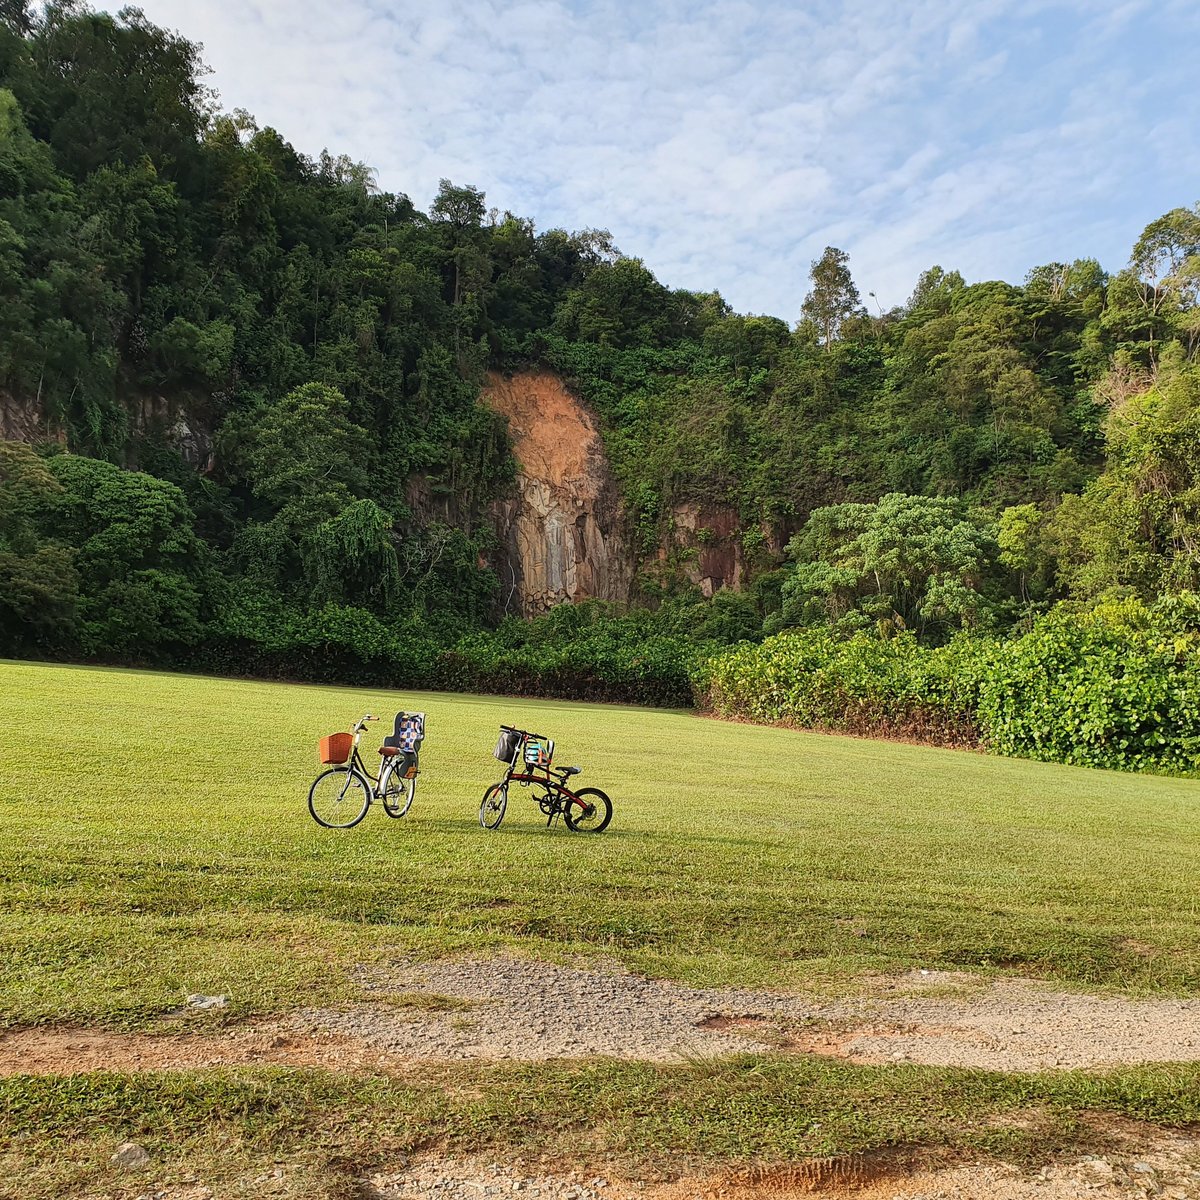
355	763
540	776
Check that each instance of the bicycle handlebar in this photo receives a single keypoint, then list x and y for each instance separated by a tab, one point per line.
524	732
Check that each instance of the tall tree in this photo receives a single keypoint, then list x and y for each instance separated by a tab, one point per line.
834	298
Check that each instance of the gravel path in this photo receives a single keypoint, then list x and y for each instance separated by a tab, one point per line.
532	1010
514	1008
1019	1025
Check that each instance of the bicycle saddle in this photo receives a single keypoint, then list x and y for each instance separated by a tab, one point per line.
570	770
389	751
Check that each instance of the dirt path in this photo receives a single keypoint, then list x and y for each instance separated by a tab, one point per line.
1166	1166
531	1010
70	1051
512	1008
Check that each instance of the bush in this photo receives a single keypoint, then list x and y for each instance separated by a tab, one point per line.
1116	686
583	652
861	685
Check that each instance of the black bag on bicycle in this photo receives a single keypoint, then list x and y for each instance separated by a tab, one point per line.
506	746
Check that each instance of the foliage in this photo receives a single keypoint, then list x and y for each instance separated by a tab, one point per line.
816	679
1117	686
143	573
39	586
354	557
1137	527
907	562
304	455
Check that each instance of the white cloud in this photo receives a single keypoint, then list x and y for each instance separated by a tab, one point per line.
726	143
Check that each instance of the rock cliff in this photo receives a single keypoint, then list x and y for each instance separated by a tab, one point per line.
707	542
178	422
563	533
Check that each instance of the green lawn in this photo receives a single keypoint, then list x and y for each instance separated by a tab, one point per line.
154	841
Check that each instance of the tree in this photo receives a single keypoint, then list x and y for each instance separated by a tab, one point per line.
1167	255
619	304
908	562
143	574
17	15
353	559
834	299
305	457
1137	527
1022	538
39	586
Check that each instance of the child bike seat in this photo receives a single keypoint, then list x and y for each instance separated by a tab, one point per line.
407	735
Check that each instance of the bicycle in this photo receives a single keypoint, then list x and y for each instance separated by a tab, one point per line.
340	797
587	810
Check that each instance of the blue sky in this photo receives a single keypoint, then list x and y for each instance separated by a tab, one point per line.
727	143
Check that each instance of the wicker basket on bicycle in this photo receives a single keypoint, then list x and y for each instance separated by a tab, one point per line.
336	748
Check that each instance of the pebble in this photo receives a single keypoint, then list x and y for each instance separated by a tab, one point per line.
130	1156
204	1003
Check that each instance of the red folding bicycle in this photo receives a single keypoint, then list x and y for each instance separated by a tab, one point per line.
528	757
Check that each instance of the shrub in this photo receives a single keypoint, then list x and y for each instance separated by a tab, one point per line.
1116	687
862	685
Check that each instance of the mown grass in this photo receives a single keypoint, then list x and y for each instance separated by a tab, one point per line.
154	842
328	1130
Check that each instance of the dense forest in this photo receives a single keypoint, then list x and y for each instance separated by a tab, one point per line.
241	388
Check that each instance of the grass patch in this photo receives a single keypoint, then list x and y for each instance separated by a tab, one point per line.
328	1129
154	842
423	1003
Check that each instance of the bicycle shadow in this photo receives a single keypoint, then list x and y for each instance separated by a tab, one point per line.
531	824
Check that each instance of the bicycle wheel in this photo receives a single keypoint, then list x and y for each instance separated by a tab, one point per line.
491	810
339	798
398	794
596	814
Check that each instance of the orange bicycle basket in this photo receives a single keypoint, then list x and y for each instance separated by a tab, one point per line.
336	748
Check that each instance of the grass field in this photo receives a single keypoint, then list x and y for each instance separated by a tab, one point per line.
154	842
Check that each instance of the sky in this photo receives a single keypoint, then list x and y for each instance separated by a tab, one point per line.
726	143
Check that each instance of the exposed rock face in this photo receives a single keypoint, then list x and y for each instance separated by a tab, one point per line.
174	421
711	538
20	421
178	424
564	532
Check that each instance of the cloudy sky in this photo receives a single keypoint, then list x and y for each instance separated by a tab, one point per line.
727	142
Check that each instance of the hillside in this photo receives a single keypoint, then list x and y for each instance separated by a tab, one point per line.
261	416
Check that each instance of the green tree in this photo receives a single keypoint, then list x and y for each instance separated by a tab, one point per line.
834	299
143	573
908	562
305	457
1137	527
39	587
